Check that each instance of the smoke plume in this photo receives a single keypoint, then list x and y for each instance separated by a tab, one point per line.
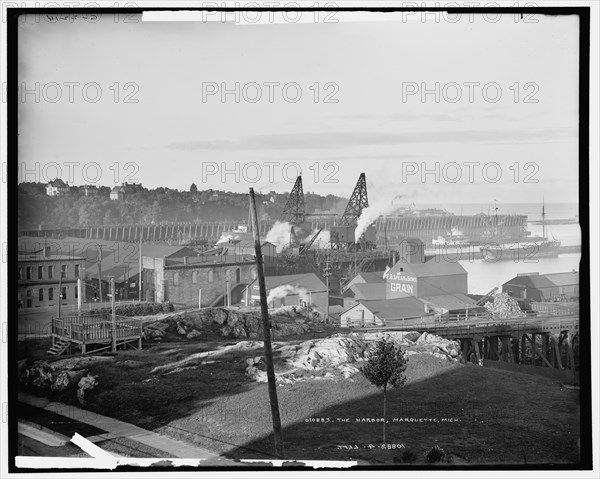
323	241
226	238
286	289
279	235
370	214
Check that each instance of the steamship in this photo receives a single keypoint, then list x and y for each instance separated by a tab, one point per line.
497	250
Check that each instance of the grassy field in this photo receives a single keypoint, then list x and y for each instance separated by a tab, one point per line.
479	415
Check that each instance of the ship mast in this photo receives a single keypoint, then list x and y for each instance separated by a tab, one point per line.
543	219
496	213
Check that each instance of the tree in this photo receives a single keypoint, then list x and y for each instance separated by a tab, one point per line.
385	367
193	188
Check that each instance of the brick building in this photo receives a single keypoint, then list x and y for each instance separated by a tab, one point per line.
39	279
180	280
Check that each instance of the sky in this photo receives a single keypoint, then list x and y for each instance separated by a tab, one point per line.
110	101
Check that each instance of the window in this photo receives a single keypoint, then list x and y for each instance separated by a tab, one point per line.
20	273
176	279
194	277
76	292
28	303
40	272
50	272
238	275
28	272
254	273
41	294
50	294
77	271
29	293
64	293
63	270
210	276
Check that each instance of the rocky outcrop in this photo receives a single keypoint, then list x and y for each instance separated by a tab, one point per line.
85	384
341	355
230	323
64	377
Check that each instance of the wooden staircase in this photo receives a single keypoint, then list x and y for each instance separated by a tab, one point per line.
60	346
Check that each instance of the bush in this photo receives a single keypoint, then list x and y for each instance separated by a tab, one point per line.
406	457
435	454
137	309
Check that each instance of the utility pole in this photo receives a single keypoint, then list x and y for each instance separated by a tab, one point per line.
100	271
113	316
279	449
140	270
79	298
327	273
59	292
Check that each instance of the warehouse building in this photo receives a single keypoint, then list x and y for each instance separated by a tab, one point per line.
383	313
544	287
365	277
365	292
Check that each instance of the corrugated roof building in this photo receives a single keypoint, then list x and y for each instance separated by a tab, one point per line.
432	278
544	287
383	313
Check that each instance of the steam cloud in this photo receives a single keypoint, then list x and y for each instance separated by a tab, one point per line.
225	238
286	289
279	235
370	214
323	241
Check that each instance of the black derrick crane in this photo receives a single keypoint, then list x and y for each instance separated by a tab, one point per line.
293	212
357	202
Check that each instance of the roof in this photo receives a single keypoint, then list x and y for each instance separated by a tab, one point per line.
433	267
398	308
246	247
367	291
154	250
538	281
208	261
449	301
112	268
309	281
127	188
372	276
53	257
118	257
